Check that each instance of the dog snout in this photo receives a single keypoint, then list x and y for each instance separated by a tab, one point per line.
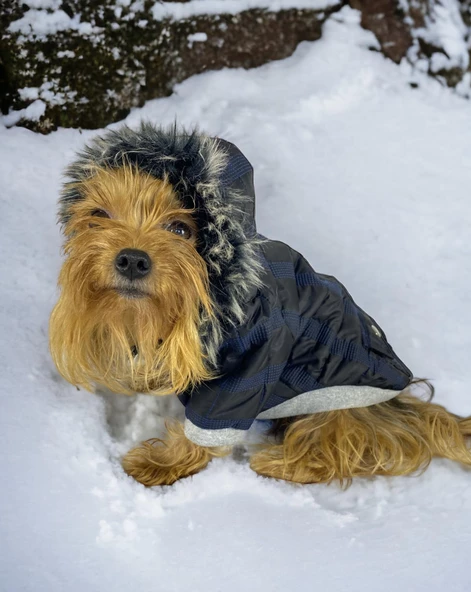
133	264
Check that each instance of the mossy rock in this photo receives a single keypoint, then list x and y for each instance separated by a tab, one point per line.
88	78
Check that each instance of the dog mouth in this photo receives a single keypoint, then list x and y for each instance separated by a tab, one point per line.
130	292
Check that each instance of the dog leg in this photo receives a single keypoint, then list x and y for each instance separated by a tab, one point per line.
162	462
397	437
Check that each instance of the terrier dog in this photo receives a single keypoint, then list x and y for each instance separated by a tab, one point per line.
167	288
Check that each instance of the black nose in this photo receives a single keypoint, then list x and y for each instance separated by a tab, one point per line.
133	264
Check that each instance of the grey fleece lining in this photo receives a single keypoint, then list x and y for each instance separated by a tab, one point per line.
223	437
326	399
329	399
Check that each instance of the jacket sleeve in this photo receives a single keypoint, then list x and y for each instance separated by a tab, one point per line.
252	358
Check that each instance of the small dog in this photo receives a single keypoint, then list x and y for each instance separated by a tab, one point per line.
168	289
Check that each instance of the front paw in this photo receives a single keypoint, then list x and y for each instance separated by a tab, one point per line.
150	464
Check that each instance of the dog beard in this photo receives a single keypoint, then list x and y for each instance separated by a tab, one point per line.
128	344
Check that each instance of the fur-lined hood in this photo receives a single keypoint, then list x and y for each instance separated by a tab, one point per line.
212	177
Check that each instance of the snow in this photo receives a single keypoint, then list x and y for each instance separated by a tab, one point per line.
177	10
369	179
66	54
42	23
196	38
447	30
43	4
444	30
32	112
46	93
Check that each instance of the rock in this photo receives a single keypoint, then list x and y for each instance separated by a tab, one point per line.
385	18
434	36
87	64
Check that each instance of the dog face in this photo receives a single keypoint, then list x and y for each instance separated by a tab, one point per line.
133	288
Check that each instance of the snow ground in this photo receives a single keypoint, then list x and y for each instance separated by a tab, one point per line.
367	177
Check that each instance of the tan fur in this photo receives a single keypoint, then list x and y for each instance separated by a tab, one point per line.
397	437
93	329
162	462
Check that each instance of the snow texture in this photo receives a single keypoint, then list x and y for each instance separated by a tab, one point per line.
178	10
445	31
196	38
370	180
32	112
42	23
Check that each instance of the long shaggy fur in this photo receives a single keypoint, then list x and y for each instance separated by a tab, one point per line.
398	437
162	462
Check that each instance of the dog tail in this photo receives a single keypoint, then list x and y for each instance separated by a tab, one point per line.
448	435
445	434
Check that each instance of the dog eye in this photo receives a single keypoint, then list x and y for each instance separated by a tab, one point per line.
179	228
99	214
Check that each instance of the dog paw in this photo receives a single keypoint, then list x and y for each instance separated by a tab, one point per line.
146	465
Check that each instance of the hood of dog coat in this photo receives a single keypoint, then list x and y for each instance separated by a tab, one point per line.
210	176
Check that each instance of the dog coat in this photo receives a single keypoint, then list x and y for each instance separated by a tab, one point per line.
285	339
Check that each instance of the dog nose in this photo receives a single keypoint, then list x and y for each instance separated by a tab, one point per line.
133	264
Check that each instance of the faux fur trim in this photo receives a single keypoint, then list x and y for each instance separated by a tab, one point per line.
195	165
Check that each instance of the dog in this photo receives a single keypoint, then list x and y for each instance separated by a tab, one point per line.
168	289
